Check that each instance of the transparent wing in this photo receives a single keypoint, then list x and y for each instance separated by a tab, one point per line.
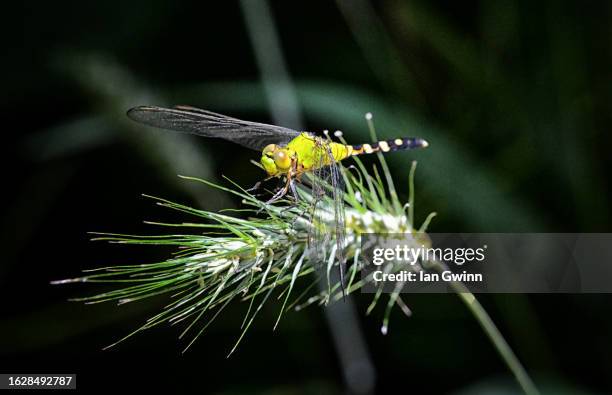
327	235
210	124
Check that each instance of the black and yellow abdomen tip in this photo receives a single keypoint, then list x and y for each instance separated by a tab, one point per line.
404	143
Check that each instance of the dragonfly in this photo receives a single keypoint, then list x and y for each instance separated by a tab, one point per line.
287	154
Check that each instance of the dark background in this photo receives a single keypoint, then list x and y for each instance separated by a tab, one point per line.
514	98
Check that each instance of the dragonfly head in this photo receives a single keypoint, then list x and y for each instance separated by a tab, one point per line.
276	160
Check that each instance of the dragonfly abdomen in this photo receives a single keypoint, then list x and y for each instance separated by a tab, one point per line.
404	143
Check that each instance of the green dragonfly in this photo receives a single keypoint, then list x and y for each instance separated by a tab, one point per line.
286	154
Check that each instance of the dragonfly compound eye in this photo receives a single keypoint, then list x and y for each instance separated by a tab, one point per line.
269	149
281	159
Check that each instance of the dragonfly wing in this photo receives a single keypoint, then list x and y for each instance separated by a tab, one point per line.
327	187
339	227
204	123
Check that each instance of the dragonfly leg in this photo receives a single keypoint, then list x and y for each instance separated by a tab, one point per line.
278	195
294	197
281	192
296	205
294	191
254	187
288	184
258	184
293	177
